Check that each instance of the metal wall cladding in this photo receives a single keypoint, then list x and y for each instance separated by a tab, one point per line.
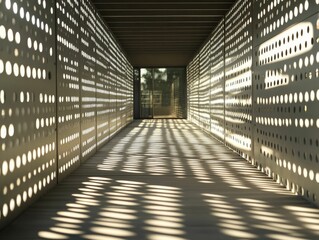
274	17
238	78
57	95
190	88
28	104
193	90
217	82
271	89
287	93
125	93
121	93
68	86
129	92
102	89
204	87
113	77
88	79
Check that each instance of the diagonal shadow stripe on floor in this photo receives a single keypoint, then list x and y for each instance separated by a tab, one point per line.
166	180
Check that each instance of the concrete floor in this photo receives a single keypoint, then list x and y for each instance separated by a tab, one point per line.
166	180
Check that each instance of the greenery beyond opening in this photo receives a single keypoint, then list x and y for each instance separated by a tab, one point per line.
162	94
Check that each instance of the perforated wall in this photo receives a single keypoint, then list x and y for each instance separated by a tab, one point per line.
286	93
68	86
113	84
190	89
56	106
271	89
129	92
27	102
217	82
102	89
238	78
121	93
88	79
204	87
193	87
124	92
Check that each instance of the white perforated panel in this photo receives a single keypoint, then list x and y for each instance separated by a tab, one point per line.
204	87
238	78
286	94
27	103
273	17
193	94
217	82
68	86
113	84
271	89
55	101
88	79
102	90
121	93
129	91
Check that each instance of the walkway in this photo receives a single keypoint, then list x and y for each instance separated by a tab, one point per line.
166	180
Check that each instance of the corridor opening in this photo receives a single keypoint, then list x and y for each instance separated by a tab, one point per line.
161	93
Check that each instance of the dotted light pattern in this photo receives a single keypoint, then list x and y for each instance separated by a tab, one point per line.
271	120
217	82
102	89
53	110
287	93
27	103
238	78
204	87
192	90
122	88
88	79
120	69
119	87
275	16
129	92
120	92
68	86
113	84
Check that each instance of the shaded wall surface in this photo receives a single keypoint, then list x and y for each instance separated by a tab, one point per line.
65	89
254	86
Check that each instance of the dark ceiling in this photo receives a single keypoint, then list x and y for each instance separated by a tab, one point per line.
162	32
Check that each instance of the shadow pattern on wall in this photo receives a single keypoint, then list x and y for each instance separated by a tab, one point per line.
268	89
66	88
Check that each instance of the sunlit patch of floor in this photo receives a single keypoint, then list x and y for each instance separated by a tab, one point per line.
171	183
